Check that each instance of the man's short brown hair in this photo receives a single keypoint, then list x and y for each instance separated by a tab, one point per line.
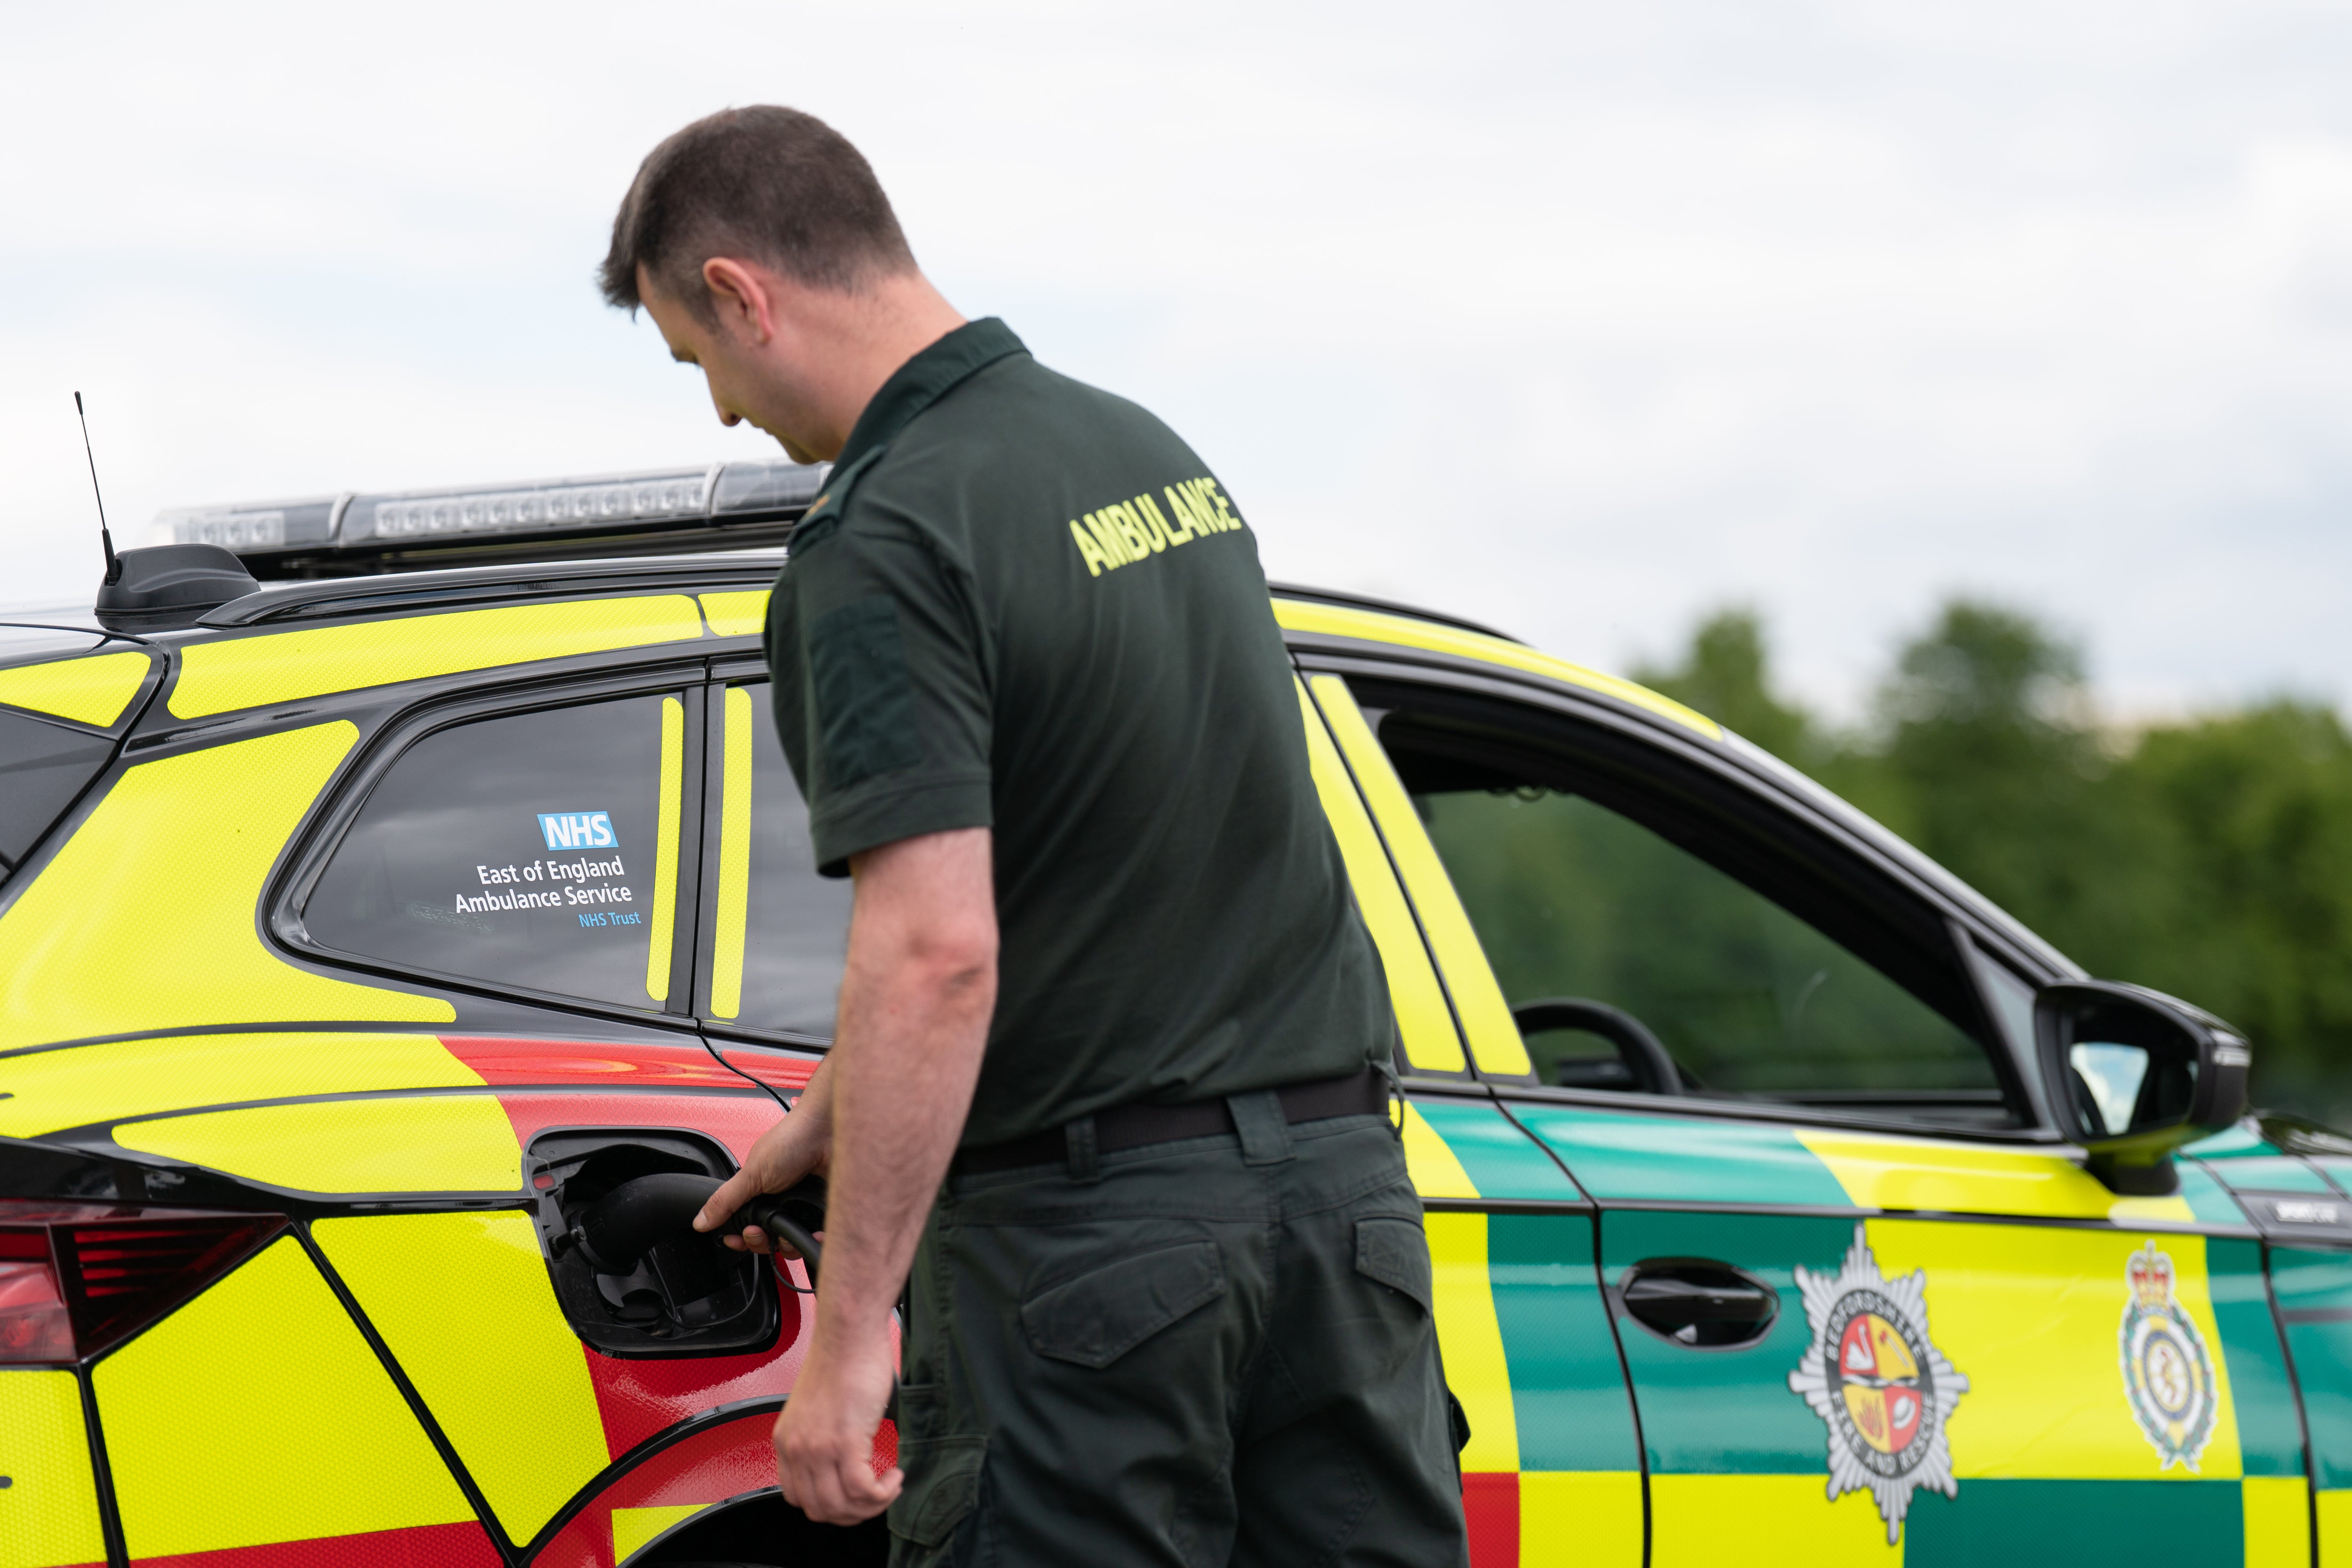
765	183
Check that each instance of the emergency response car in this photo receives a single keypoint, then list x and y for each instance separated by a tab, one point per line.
360	932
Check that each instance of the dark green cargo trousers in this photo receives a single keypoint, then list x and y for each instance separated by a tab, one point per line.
1212	1351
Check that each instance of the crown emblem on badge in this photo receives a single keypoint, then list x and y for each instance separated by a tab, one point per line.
1878	1383
2150	1273
2167	1371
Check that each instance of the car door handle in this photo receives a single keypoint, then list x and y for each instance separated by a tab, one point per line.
1697	1301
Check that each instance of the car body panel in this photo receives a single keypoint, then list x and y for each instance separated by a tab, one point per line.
96	690
48	1512
254	669
160	1010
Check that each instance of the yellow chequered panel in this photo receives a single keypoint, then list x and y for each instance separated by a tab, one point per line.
2029	1315
49	1090
1580	1518
737	614
1470	1339
1963	1178
145	918
465	1303
2278	1522
1425	1023
2335	1508
1436	1171
279	667
1764	1521
632	1527
414	1143
257	1414
87	690
1494	1041
48	1510
1333	620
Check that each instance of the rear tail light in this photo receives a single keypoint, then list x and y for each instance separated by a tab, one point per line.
77	1279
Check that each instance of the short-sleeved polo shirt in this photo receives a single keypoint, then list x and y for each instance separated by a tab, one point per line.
1025	605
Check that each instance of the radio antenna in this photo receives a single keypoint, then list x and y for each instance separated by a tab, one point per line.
105	539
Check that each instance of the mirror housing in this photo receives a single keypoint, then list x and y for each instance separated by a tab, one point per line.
2134	1074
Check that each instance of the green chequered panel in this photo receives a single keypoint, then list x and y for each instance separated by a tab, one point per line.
1568	1391
2336	1169
1499	1159
1727	1410
2077	1524
1615	1154
2307	1281
2207	1198
2270	1438
2270	1173
2228	1143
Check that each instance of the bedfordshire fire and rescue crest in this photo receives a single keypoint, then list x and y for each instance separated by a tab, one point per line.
1878	1383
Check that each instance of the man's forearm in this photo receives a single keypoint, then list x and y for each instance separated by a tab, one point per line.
915	1008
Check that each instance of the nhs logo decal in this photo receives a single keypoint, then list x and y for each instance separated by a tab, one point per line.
577	829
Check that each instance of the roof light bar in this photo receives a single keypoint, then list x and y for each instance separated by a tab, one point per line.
358	532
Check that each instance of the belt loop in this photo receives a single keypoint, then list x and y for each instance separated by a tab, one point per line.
1266	1131
1079	1140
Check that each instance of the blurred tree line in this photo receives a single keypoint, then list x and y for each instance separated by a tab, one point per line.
2210	859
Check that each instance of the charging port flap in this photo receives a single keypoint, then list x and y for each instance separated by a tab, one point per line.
687	1295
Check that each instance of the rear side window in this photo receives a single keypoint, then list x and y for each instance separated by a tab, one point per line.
779	930
537	850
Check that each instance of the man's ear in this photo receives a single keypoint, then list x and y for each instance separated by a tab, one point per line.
744	302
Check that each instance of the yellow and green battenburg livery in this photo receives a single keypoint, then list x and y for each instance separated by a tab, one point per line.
2027	1273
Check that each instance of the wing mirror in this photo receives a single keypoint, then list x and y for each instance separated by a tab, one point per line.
2134	1075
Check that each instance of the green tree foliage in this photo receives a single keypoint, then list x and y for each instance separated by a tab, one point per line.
2210	858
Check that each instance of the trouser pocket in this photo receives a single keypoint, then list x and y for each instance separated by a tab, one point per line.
943	1470
1102	1314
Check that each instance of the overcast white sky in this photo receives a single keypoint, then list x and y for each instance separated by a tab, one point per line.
1579	318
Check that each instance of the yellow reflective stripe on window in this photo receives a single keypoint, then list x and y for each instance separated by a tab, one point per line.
1494	1041
414	1144
145	918
278	667
633	1527
737	614
49	1090
1332	620
734	858
256	1414
1424	1021
464	1302
673	794
87	690
48	1512
1470	1339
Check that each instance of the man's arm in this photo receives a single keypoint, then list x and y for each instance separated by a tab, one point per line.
916	1000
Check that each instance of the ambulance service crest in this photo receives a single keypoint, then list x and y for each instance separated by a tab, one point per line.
2168	1372
1878	1383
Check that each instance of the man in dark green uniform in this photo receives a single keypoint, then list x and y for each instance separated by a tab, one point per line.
1107	1076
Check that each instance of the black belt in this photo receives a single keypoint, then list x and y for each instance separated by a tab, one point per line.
1361	1093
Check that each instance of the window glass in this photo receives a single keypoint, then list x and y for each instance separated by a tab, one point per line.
782	931
1572	899
536	849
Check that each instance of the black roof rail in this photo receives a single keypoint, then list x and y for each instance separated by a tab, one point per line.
327	598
